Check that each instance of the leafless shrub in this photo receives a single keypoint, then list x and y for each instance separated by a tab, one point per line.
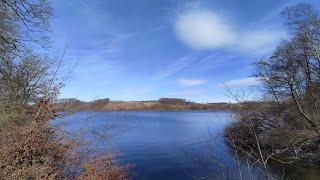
104	167
283	127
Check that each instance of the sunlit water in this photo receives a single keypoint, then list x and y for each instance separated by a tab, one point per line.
162	144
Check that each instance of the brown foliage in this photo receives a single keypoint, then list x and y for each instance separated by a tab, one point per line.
104	167
31	151
30	148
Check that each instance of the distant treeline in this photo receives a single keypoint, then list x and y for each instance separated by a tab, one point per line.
161	104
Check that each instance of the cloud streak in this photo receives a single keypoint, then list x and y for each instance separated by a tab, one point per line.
249	81
191	82
175	67
184	93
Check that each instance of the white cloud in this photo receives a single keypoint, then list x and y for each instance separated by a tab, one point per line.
191	82
249	81
261	40
203	29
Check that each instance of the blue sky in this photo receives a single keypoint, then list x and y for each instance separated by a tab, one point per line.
148	49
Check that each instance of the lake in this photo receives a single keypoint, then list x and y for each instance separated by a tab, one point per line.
162	144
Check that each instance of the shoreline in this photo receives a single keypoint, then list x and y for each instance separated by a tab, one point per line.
163	104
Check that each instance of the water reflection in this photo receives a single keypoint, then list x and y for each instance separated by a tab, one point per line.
163	144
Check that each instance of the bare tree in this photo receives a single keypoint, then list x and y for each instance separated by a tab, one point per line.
284	126
28	147
24	26
292	74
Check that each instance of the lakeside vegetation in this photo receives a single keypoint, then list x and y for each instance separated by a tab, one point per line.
31	148
285	130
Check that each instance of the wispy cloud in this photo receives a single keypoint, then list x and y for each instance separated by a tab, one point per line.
274	14
191	82
177	66
195	63
204	29
212	61
103	44
98	70
249	81
184	93
262	40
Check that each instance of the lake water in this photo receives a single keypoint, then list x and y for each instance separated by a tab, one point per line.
162	145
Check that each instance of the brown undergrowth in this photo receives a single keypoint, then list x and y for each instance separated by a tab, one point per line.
30	79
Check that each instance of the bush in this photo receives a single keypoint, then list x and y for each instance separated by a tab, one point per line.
285	126
104	167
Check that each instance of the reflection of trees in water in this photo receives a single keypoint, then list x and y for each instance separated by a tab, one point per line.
97	130
222	158
93	158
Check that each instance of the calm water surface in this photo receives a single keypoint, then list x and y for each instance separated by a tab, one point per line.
161	144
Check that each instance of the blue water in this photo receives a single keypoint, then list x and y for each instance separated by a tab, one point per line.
161	145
